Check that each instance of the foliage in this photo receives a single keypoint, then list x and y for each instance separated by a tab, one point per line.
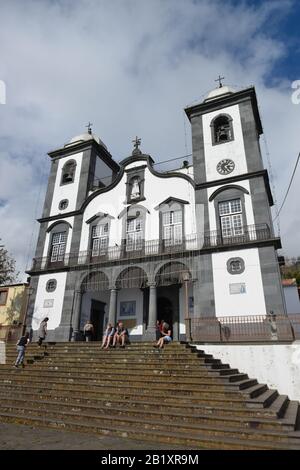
8	274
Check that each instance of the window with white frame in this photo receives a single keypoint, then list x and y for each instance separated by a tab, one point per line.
99	239
134	234
58	246
172	227
231	217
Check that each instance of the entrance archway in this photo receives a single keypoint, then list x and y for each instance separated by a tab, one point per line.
169	279
95	299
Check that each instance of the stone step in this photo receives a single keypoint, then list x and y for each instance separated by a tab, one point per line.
187	385
172	417
276	403
76	393
200	393
79	369
170	437
182	405
182	428
155	375
116	356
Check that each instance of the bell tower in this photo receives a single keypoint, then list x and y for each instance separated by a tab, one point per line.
233	187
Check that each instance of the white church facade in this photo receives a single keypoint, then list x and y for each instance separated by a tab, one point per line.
123	241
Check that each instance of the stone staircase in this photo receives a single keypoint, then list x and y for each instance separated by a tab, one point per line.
179	396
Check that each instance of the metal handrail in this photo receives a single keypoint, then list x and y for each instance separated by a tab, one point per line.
153	248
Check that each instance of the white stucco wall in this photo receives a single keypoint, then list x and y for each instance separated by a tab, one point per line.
277	365
66	191
54	312
157	190
233	149
252	301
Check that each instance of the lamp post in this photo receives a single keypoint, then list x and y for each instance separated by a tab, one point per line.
186	278
30	291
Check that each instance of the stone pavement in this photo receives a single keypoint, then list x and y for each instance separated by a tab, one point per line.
19	437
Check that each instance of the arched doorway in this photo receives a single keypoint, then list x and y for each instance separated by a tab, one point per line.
133	299
169	280
94	304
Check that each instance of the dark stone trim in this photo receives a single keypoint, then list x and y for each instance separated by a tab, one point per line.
132	207
99	215
171	199
237	178
58	216
224	188
271	279
132	159
51	227
227	100
50	189
136	168
230	260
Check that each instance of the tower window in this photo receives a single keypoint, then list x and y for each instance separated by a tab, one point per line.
231	217
222	130
68	172
58	246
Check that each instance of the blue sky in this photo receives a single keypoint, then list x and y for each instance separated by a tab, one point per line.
131	67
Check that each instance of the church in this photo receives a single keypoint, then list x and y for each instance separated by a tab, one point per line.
124	241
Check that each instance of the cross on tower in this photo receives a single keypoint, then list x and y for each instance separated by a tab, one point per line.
219	79
137	142
89	126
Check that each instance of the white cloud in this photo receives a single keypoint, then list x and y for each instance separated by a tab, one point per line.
130	67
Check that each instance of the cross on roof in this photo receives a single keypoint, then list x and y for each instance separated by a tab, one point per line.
89	126
219	79
137	142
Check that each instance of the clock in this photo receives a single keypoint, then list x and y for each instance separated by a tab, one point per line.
226	166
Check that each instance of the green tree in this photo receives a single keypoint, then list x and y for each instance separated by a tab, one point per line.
8	272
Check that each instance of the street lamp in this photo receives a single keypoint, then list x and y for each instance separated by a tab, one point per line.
30	291
186	278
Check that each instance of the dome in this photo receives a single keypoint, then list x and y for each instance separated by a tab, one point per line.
84	138
217	92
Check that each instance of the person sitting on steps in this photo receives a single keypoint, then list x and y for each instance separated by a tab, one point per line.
108	336
121	335
88	331
165	336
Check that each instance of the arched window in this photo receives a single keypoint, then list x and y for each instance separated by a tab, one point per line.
222	130
68	172
58	240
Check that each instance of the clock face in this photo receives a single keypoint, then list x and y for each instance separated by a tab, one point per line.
226	166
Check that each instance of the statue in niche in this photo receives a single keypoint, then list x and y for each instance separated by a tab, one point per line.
135	190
